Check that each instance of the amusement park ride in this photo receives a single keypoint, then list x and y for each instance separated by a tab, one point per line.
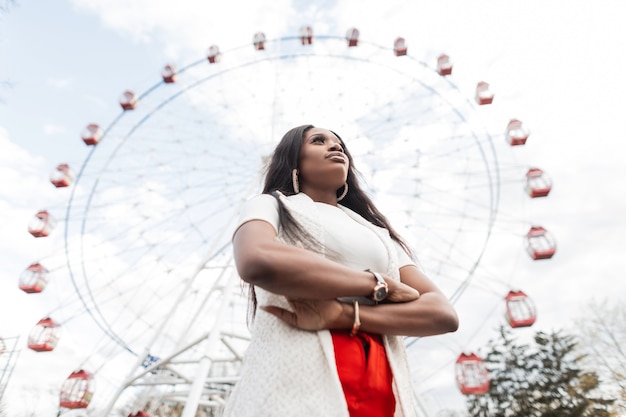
147	234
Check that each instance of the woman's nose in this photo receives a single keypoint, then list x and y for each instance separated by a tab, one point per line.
336	147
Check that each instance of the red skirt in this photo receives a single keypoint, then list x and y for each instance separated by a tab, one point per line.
364	373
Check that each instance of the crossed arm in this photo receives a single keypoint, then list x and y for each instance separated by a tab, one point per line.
312	283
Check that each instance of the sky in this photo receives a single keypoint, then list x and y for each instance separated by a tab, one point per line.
556	65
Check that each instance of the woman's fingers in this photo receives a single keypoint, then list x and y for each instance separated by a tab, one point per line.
308	314
400	292
285	315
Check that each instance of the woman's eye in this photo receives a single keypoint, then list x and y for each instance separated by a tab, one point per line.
318	139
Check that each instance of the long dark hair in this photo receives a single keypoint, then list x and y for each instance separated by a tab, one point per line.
278	177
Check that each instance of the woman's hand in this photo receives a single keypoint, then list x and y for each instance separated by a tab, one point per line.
312	314
398	292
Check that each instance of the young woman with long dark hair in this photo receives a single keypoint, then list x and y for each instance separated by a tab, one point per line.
333	288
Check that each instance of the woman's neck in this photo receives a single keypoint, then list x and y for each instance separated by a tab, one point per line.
320	196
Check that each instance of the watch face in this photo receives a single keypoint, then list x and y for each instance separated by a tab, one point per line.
380	294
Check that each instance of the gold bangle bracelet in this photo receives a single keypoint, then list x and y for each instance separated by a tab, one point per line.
357	319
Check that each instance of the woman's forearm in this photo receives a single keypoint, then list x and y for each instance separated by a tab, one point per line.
298	273
429	315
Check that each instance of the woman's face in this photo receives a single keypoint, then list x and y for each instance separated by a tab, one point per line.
322	160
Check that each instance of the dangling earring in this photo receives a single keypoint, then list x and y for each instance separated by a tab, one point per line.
345	192
294	180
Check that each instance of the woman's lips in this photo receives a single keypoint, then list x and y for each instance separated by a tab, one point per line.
336	156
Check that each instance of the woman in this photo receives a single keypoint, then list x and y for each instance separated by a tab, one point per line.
335	289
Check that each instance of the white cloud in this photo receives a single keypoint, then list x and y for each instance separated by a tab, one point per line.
59	82
25	189
192	26
52	129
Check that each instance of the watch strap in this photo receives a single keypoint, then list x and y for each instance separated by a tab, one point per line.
378	277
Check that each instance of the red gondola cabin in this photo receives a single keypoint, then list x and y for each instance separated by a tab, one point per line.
520	309
538	184
213	54
516	133
77	390
306	35
169	74
62	176
399	47
539	243
92	134
444	65
259	41
129	100
352	36
472	376
41	225
44	336
483	93
34	279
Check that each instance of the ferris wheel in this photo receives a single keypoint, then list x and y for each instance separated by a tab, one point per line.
151	210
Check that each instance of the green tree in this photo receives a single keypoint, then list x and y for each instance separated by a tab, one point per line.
542	380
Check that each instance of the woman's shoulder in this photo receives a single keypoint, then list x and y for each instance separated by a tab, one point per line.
259	205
